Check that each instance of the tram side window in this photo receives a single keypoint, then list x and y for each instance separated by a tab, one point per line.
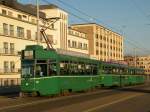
125	71
88	69
64	68
107	70
95	70
112	70
131	72
81	68
41	70
74	68
52	68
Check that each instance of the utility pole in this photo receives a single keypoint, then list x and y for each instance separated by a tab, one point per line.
38	26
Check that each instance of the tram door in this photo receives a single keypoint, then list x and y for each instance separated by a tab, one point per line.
41	68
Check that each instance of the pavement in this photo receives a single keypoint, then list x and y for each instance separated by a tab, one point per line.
129	99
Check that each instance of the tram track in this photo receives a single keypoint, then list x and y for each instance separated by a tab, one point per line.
32	103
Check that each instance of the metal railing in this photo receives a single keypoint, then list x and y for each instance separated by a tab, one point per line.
8	52
32	37
10	71
10	82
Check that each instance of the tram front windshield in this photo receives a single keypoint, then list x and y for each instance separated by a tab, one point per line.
27	71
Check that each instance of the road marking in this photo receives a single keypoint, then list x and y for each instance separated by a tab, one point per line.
108	104
55	99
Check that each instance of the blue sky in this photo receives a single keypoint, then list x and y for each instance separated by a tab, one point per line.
130	17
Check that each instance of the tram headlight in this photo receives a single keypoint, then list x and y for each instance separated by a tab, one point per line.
27	84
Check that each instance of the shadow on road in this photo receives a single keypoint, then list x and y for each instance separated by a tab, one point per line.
140	89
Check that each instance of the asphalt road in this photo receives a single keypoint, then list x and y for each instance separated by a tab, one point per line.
132	99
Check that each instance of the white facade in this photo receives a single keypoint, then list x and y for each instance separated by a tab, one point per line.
77	41
18	29
60	26
15	33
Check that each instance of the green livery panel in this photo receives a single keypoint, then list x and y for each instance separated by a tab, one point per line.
48	72
58	84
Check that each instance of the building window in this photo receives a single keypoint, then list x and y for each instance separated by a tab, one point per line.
6	67
33	20
19	16
12	82
5	29
111	47
12	48
4	12
11	28
74	44
28	34
80	45
52	26
24	16
20	32
69	44
97	36
105	53
6	83
114	41
101	37
97	52
85	46
105	46
104	38
101	45
97	44
50	38
12	66
101	52
10	13
5	47
110	40
76	33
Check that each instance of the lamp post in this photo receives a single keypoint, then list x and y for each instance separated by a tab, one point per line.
38	26
135	57
123	35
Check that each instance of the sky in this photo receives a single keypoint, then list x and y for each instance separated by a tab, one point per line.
131	18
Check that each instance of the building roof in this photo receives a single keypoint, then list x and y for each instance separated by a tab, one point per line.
30	9
50	6
70	28
97	25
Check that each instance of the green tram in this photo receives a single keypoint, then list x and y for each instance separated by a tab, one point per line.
48	73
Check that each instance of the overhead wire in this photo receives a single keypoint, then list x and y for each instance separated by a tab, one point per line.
131	42
87	15
77	9
83	19
137	6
